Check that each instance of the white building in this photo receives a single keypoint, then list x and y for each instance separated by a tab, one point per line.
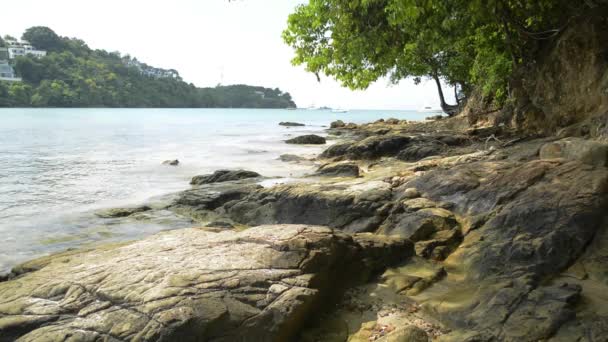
23	48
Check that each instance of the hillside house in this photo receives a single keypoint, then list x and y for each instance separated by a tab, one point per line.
22	48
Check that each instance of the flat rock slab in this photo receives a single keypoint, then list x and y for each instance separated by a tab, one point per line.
193	285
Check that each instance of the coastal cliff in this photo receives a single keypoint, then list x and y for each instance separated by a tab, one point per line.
474	234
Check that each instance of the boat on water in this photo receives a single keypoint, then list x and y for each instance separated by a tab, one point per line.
429	109
339	110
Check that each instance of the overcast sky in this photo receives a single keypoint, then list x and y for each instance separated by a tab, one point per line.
208	42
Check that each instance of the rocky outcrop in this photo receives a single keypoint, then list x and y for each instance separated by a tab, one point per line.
368	148
339	170
359	207
337	124
262	284
310	139
200	202
526	222
173	162
223	176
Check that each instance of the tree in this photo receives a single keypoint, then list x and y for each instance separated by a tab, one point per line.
43	38
2	43
467	43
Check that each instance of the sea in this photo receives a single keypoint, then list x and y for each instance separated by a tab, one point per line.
59	166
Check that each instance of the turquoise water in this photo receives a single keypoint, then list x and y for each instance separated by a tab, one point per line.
59	165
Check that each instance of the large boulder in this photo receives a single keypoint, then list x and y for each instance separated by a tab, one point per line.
310	139
369	148
223	176
586	151
337	124
261	284
350	207
200	203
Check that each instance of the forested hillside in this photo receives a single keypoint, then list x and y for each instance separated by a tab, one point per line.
74	75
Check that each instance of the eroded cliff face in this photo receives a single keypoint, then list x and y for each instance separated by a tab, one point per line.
565	88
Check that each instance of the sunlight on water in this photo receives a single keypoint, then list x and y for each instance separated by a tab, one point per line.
58	165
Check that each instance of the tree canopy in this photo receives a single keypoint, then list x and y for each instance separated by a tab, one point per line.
74	75
43	38
466	43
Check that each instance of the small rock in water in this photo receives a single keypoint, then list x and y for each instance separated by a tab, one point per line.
121	212
291	124
288	158
173	162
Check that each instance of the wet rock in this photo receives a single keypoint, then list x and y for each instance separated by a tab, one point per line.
439	245
337	124
350	208
368	148
121	212
418	225
586	151
339	170
538	218
523	197
291	124
414	276
310	139
258	285
220	224
408	334
173	162
223	176
419	151
291	158
411	193
200	203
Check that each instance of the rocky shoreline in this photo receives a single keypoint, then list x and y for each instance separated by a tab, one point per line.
407	232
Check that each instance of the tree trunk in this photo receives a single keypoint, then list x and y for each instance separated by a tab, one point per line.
450	110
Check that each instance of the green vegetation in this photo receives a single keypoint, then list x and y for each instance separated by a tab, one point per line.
73	75
469	44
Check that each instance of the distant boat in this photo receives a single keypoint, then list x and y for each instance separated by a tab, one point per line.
339	110
429	109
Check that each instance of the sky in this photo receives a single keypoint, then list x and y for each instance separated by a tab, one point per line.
210	42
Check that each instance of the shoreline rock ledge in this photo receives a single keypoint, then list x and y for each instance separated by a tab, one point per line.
261	284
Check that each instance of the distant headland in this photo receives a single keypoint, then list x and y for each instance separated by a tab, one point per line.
46	70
